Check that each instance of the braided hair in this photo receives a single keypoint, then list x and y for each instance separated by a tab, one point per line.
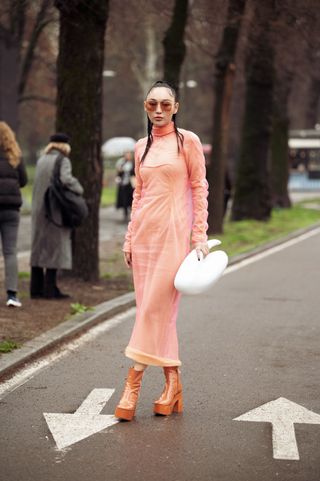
179	135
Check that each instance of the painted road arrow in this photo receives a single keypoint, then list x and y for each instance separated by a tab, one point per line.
68	429
282	414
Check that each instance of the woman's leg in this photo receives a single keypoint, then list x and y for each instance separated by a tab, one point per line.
140	367
9	233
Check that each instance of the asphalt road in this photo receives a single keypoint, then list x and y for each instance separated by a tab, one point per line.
253	339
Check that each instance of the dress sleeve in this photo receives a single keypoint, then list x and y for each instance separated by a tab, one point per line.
135	200
199	188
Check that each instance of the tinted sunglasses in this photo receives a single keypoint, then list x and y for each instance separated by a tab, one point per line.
165	105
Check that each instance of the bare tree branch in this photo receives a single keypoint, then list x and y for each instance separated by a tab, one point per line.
40	23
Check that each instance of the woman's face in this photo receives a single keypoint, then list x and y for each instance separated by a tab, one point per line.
160	106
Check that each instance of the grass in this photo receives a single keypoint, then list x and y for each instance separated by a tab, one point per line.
78	308
24	275
8	346
242	236
108	196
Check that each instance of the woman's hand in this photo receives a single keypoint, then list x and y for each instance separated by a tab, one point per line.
128	259
202	247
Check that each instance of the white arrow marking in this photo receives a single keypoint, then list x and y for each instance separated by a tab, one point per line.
68	429
282	414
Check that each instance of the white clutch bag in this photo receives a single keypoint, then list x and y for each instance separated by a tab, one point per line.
194	276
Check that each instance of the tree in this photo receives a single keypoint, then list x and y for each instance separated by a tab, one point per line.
174	45
224	72
279	142
252	198
79	113
286	46
17	52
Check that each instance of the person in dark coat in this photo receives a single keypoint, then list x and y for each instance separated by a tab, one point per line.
12	177
125	175
51	244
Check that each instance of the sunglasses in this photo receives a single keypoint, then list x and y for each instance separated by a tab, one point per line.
165	105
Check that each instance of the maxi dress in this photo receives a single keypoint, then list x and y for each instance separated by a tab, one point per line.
169	206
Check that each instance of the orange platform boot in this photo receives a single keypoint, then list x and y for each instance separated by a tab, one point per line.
171	399
127	405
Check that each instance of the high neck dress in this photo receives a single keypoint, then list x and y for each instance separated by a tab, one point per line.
169	206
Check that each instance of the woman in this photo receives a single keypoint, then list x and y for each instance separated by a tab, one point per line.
170	201
12	177
125	171
51	244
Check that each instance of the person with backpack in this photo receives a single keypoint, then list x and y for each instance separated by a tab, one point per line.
13	176
51	239
169	209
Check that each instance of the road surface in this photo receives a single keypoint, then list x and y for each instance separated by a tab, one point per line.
254	338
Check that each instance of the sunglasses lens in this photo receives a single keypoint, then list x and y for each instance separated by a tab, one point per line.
151	106
166	106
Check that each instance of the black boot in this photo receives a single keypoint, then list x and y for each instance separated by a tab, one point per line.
51	289
36	283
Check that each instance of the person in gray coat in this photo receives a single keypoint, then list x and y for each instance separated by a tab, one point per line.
51	244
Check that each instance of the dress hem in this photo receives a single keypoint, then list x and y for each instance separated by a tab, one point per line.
150	360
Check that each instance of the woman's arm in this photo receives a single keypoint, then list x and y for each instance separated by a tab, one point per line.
199	188
67	178
135	201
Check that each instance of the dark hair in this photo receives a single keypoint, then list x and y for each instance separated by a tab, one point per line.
179	135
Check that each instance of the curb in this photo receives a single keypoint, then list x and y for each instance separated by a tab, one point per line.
83	322
63	332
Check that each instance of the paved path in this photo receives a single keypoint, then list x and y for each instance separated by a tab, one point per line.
253	339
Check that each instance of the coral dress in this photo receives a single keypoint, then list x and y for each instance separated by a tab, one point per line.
169	203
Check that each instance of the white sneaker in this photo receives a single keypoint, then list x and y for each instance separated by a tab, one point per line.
13	301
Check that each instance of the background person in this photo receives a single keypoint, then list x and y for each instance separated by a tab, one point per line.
51	244
170	203
125	173
12	177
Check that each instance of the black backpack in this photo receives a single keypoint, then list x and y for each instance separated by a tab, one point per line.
72	206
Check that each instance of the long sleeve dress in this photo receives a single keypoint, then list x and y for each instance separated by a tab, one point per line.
169	205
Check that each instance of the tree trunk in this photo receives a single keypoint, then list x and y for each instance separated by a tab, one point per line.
79	114
252	198
146	74
9	73
223	85
173	43
313	103
279	142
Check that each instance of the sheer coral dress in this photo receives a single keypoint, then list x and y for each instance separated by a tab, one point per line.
169	205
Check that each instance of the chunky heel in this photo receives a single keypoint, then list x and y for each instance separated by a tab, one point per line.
171	398
178	407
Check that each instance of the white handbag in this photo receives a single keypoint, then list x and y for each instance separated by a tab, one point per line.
196	276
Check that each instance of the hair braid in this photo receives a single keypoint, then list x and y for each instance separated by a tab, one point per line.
150	140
